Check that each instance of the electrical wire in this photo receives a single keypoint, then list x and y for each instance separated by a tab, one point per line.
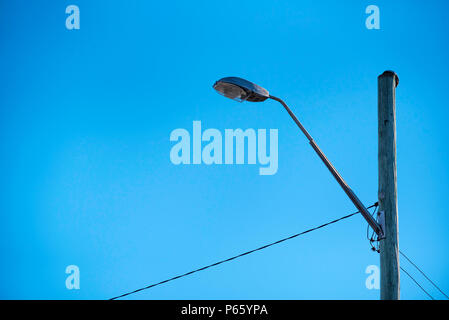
416	282
422	272
240	255
371	238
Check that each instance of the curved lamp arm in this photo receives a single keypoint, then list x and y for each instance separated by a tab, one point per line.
355	200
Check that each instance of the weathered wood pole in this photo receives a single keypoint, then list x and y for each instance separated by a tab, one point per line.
388	205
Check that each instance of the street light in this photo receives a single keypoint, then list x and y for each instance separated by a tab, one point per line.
243	90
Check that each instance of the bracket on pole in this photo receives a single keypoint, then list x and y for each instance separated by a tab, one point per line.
381	222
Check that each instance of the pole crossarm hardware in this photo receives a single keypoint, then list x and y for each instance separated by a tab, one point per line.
355	200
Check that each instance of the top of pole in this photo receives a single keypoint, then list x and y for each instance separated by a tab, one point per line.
391	73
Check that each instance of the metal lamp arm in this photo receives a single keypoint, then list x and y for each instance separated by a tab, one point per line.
355	200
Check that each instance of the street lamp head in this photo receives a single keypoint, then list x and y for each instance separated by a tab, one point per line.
240	90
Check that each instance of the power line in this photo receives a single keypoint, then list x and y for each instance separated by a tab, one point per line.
416	282
422	272
371	239
240	255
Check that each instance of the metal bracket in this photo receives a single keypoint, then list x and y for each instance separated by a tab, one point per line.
381	222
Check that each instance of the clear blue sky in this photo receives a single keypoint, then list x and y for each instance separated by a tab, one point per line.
85	120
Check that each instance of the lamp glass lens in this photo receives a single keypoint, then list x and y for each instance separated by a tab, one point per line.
231	91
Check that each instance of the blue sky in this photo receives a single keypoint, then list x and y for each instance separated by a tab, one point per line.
86	117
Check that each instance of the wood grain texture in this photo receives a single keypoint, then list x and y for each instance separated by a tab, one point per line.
389	246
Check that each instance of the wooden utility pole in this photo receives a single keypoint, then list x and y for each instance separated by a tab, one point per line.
388	205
